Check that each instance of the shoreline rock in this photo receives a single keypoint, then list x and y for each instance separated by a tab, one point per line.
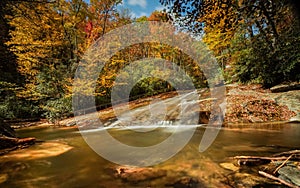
8	144
9	141
6	130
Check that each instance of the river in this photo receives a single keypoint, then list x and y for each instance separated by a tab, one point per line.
64	159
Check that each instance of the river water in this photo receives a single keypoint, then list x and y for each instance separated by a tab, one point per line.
63	159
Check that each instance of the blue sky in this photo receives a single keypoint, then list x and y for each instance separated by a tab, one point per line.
142	7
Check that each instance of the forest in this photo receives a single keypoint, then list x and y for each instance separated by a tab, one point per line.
43	41
201	93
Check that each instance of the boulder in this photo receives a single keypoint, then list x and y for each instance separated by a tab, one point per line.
291	173
295	119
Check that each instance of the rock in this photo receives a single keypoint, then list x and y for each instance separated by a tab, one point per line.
291	173
71	123
242	180
285	87
204	117
285	179
295	119
134	175
186	182
6	130
290	99
229	166
3	178
7	142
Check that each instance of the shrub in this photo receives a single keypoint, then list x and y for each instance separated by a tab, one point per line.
57	109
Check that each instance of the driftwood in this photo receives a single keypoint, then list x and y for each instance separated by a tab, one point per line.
261	158
277	179
258	160
287	153
282	158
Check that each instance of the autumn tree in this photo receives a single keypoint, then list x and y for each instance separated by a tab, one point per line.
45	43
102	17
269	54
265	53
10	79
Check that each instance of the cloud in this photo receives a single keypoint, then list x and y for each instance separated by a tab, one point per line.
141	3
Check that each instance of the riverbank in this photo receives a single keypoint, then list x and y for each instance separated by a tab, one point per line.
246	104
253	104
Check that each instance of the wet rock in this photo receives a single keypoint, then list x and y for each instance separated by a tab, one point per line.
242	180
285	179
6	130
204	117
229	166
19	166
7	142
292	173
43	163
135	175
295	118
186	182
290	99
3	178
71	123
